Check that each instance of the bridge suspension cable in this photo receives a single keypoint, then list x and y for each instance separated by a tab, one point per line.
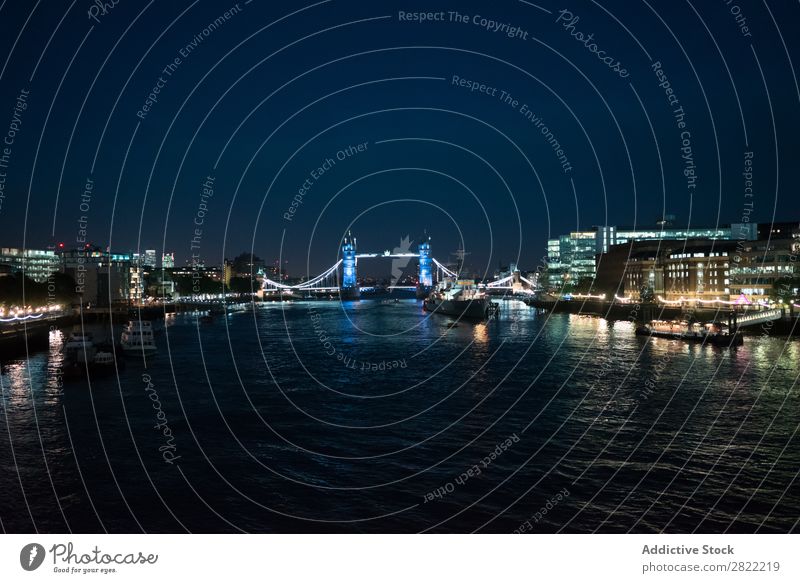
499	282
306	285
320	277
443	268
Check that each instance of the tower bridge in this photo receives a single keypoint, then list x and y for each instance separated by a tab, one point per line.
430	270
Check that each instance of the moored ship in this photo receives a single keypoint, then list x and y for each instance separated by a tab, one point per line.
137	338
79	347
714	333
82	356
460	299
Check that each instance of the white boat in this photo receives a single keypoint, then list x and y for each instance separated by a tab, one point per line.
104	359
137	338
461	299
105	363
79	348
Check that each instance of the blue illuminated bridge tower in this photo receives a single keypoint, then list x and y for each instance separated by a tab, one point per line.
349	289
425	282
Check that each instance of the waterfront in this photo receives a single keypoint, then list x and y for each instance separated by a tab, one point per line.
374	416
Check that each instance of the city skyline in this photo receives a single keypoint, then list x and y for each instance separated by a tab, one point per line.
535	201
453	247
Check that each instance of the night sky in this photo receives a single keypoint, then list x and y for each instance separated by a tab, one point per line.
260	103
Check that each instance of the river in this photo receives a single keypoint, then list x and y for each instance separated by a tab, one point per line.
375	416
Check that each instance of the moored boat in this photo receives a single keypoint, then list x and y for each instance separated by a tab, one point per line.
461	299
714	333
105	363
79	348
83	357
137	338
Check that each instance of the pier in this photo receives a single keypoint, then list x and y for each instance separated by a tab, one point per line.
779	321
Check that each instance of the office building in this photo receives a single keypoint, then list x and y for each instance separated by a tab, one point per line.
573	257
34	263
150	259
756	266
136	284
748	272
101	278
690	270
168	261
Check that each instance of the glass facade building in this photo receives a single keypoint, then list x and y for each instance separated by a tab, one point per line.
150	259
757	266
168	261
34	263
573	257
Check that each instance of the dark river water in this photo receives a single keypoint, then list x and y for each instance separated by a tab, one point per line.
374	416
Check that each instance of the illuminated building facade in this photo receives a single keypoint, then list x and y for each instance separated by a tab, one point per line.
757	266
34	263
573	257
168	260
149	259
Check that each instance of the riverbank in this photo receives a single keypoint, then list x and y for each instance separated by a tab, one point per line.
19	337
643	313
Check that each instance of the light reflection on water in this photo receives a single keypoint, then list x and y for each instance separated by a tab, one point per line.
584	380
480	333
55	362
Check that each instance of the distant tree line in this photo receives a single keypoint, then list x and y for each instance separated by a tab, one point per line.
186	285
18	290
785	289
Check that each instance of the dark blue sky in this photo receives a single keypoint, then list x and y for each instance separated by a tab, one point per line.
278	88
